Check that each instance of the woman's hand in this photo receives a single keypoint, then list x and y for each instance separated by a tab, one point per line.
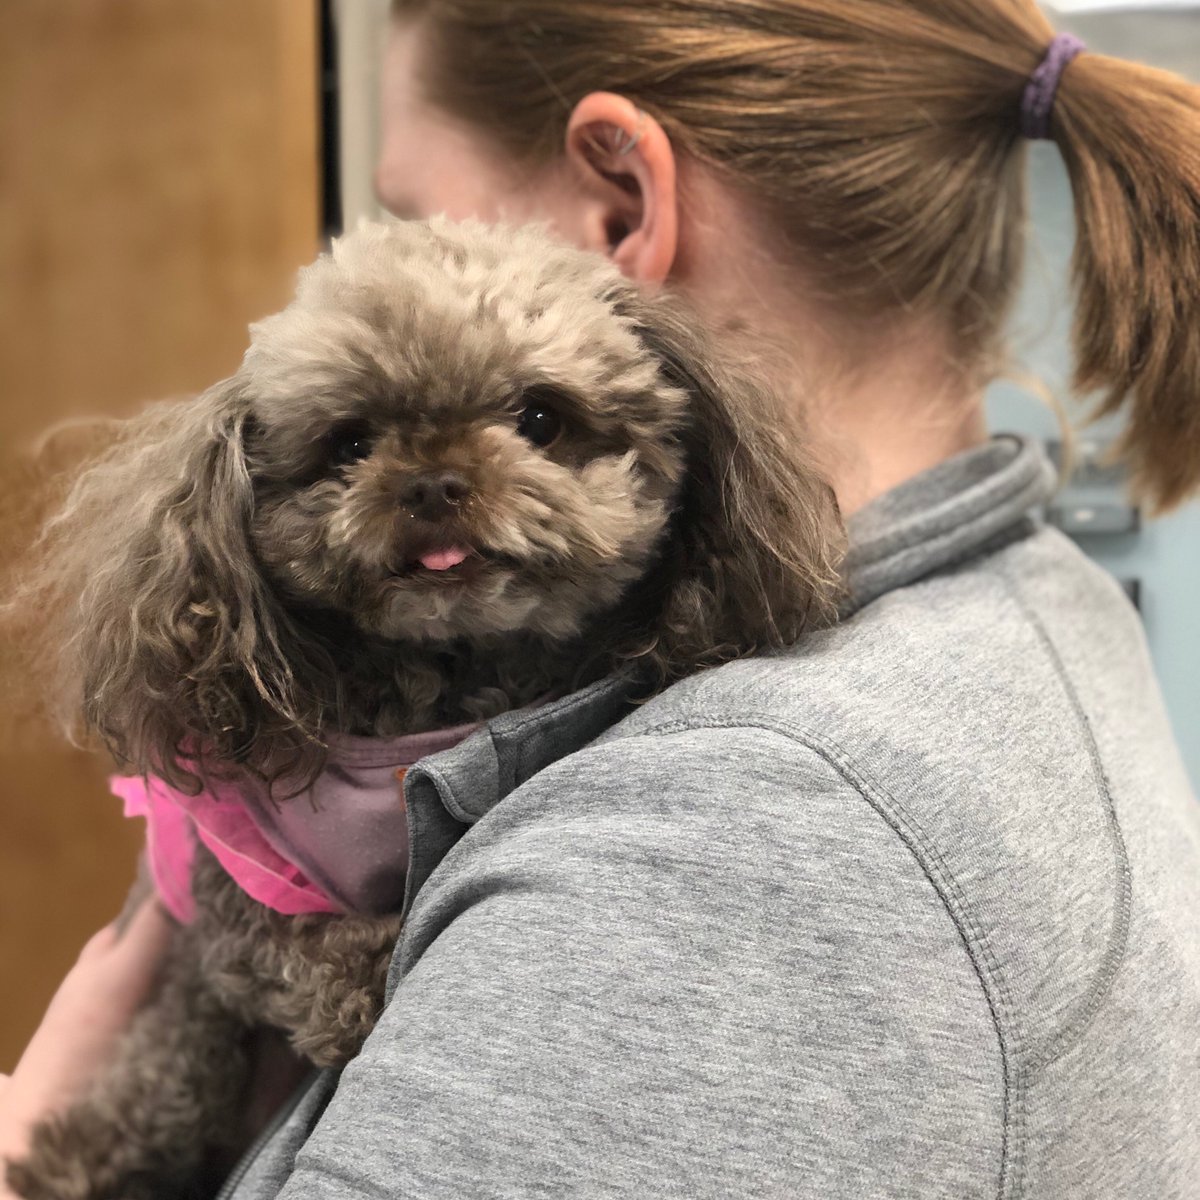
77	1037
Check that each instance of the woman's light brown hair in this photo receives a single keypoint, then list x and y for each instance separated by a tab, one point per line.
881	140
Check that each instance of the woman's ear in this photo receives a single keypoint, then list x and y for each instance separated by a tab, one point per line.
625	164
758	540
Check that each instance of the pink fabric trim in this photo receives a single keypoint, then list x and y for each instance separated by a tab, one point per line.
350	829
169	845
173	822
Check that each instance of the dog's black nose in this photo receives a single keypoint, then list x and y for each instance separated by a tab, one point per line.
433	496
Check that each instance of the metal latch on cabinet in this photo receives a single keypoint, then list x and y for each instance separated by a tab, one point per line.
1093	500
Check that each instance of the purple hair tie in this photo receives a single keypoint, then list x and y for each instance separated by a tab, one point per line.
1038	101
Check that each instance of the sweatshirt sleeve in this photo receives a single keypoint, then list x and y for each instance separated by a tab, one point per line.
691	964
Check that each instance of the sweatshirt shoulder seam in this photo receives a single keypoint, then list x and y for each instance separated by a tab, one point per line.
937	871
1072	1028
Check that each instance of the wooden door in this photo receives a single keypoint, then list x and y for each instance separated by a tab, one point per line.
158	191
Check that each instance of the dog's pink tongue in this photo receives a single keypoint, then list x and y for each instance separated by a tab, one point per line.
443	560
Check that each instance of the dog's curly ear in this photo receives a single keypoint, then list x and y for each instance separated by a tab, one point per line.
168	640
755	557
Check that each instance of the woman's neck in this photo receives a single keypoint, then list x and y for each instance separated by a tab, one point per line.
877	408
901	413
881	399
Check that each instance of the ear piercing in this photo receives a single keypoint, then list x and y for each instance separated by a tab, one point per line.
625	142
609	140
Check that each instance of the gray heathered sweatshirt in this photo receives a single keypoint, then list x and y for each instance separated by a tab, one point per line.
912	910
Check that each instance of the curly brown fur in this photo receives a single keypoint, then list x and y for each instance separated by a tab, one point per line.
320	977
206	578
172	1098
239	577
172	1095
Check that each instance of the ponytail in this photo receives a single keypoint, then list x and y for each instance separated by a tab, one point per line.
1130	137
879	139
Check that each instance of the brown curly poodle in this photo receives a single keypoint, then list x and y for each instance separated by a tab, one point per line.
465	468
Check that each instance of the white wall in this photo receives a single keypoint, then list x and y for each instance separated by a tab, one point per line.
361	27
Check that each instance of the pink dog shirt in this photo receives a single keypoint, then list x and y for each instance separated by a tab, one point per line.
341	846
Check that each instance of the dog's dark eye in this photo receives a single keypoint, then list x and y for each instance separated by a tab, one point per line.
539	423
348	444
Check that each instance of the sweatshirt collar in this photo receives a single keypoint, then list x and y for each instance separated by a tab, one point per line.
969	505
450	791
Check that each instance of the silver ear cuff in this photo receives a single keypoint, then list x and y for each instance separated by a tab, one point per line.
626	141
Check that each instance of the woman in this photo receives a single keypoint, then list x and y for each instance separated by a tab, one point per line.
912	911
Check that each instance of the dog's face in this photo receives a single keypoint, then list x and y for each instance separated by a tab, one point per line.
453	433
449	438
